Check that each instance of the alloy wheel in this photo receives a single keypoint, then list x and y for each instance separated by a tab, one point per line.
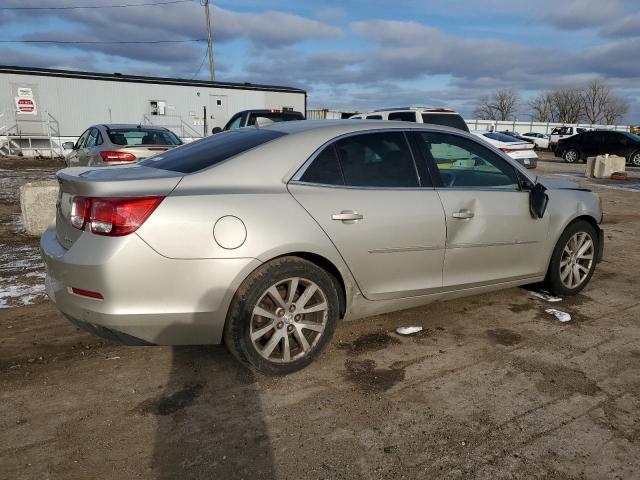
288	320
571	156
577	260
635	160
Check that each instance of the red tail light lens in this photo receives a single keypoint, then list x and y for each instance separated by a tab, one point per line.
117	157
115	216
87	293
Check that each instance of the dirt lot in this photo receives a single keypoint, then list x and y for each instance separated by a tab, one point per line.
492	388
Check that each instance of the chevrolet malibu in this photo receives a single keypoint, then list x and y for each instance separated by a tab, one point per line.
265	238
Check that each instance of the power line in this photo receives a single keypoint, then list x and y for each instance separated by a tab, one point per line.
91	7
92	42
204	57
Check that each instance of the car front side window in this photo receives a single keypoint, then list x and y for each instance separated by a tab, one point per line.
464	163
82	140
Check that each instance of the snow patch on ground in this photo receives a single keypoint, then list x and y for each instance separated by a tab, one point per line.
22	275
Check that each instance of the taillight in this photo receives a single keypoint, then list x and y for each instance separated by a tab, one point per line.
79	212
117	156
113	216
505	149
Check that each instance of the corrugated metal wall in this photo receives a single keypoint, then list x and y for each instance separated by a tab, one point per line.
78	103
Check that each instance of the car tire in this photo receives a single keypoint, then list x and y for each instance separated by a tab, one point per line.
571	155
634	159
570	269
278	337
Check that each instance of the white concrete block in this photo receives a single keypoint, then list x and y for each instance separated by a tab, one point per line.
605	165
38	205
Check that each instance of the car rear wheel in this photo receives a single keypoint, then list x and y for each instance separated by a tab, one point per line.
282	316
573	260
635	159
571	155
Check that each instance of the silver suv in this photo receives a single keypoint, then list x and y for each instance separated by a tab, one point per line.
418	114
104	145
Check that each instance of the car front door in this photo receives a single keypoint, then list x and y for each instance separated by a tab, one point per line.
491	235
385	218
75	157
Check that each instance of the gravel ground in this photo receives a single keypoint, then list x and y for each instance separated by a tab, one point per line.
492	388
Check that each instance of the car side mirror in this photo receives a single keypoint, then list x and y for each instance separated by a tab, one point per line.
68	145
538	200
215	130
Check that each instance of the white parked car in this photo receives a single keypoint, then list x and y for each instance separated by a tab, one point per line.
540	140
432	115
564	132
520	151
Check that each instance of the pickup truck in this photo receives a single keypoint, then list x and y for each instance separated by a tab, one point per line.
247	118
563	132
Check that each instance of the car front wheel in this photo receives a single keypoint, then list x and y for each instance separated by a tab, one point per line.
282	316
573	260
635	159
571	155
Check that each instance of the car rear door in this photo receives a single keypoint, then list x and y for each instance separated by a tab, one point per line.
385	219
491	235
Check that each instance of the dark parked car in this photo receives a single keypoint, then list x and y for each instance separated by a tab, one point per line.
599	142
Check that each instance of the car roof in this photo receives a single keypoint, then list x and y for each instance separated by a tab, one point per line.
132	126
340	127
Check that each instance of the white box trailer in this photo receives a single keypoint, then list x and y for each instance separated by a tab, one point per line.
41	107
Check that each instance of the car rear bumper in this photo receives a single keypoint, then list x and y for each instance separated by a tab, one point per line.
148	298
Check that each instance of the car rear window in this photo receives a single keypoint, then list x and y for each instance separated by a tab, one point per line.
132	137
274	117
446	119
501	137
209	151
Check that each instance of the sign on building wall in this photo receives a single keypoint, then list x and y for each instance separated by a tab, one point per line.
26	102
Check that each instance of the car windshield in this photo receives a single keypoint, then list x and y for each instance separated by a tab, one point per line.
212	150
446	119
133	137
501	137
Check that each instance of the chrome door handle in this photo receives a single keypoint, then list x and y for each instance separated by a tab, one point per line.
347	216
463	214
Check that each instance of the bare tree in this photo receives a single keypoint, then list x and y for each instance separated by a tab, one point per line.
484	108
502	105
595	96
567	105
615	108
542	108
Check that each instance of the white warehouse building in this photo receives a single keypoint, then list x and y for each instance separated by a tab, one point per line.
41	108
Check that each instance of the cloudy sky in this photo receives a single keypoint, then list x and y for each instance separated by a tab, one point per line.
347	54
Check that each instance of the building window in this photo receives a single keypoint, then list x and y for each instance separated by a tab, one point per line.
218	102
157	107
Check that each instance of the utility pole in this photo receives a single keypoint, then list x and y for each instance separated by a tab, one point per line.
208	17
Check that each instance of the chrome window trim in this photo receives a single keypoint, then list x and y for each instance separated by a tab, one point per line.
355	187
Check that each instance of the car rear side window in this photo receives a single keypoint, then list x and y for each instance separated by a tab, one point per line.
403	116
377	160
374	117
209	151
325	169
446	119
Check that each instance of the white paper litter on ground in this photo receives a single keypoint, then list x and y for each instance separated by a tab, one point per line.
545	296
562	316
408	330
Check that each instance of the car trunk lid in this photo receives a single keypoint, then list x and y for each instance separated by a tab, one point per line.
129	181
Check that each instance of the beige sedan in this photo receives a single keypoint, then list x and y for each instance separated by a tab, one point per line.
265	238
